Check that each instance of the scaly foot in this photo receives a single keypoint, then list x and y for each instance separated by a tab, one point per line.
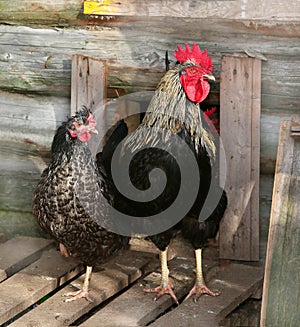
162	290
198	290
72	296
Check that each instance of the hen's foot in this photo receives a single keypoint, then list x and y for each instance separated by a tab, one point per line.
162	290
72	296
198	290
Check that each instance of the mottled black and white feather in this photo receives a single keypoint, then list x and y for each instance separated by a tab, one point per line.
68	201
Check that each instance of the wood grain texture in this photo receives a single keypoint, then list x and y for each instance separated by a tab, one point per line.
113	276
240	134
19	252
89	83
200	9
39	60
281	297
61	13
33	282
236	283
135	308
38	39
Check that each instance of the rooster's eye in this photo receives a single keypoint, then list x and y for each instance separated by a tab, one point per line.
191	70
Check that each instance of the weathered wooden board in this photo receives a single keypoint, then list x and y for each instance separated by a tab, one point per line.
240	133
236	283
39	60
62	13
207	8
52	273
113	276
19	252
281	297
89	83
33	282
58	13
135	308
30	120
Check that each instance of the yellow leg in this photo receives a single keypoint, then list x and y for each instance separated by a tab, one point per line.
84	292
199	273
200	287
165	286
164	267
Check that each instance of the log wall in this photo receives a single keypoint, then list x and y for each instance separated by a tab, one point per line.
38	39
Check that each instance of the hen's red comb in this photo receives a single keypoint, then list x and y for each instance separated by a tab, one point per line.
195	55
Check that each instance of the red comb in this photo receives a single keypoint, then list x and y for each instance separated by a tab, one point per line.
91	120
195	55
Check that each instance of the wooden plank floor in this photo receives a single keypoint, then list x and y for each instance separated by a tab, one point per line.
32	294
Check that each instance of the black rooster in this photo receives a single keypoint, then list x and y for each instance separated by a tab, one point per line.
68	199
172	123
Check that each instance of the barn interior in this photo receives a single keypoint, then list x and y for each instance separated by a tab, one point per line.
59	55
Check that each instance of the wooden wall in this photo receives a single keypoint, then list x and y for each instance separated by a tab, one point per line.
38	38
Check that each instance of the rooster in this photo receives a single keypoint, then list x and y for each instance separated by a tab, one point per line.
67	200
174	116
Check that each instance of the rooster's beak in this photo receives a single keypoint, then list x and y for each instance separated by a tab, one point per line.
210	77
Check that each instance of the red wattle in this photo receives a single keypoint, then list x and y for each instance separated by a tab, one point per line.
84	137
195	89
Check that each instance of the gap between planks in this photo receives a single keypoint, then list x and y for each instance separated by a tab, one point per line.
20	252
236	282
114	275
34	282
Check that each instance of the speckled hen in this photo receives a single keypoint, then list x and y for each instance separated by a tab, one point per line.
68	201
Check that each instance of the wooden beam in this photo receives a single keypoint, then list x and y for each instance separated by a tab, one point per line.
281	297
69	12
187	8
240	133
88	83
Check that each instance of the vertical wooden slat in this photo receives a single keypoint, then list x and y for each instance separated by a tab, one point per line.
240	126
88	83
255	157
281	295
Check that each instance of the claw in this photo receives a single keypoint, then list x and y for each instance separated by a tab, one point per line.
72	296
166	286
162	290
198	290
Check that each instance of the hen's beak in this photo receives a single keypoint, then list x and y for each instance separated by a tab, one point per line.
92	129
210	77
